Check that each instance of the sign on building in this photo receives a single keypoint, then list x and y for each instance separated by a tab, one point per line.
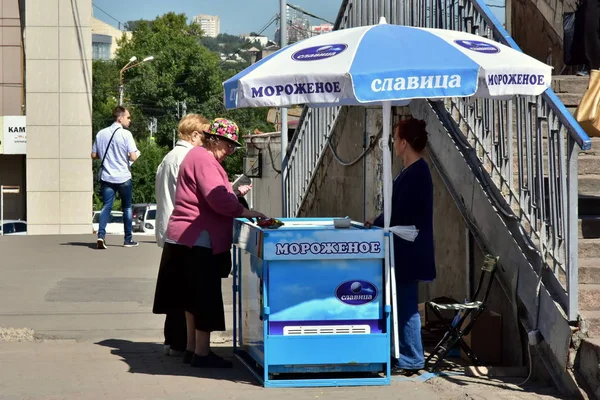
14	136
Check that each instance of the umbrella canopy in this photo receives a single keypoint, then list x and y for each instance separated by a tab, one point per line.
387	65
377	63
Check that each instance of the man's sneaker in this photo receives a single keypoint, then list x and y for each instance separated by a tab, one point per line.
130	243
101	244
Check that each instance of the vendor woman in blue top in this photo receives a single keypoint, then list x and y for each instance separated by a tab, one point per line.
412	204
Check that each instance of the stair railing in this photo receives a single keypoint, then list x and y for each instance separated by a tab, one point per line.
528	146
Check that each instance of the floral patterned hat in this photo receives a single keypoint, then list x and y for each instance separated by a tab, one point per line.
226	129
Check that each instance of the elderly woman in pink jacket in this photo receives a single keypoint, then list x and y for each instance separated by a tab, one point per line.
199	234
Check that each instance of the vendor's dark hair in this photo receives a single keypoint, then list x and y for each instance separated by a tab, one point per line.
413	131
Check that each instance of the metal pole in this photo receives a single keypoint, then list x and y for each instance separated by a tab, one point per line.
284	119
573	235
121	84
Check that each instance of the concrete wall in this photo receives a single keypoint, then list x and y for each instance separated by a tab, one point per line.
537	27
265	195
58	52
12	167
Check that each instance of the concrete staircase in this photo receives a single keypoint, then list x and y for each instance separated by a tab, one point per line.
570	89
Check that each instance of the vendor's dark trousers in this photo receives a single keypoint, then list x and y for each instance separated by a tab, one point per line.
409	326
591	32
175	331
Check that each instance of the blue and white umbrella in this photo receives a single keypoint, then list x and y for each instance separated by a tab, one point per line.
373	64
388	65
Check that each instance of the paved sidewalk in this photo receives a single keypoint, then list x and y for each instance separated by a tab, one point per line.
62	288
123	370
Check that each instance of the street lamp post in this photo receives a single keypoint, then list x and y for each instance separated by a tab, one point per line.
127	66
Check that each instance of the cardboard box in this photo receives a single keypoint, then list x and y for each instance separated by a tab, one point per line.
485	339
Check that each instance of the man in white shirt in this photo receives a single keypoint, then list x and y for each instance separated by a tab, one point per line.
116	148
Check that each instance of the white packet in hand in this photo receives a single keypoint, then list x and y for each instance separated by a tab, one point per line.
405	232
138	153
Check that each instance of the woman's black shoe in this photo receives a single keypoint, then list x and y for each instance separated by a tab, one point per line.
210	361
187	356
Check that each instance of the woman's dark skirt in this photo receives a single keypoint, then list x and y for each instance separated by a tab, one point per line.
189	279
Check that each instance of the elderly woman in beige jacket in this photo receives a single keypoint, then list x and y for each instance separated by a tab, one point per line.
190	133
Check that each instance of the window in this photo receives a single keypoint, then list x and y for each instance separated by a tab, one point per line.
20	227
101	46
101	51
151	215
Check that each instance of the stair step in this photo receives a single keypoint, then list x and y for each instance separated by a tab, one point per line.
589	270
589	248
589	184
570	99
588	164
592	321
589	226
589	296
588	363
570	84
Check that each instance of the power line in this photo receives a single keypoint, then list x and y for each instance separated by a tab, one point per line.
309	14
110	16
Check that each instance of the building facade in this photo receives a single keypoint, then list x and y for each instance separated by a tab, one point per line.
105	39
210	24
47	44
320	29
12	103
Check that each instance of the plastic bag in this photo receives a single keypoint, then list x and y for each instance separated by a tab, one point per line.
408	233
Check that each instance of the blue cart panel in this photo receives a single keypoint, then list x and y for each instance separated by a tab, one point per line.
309	300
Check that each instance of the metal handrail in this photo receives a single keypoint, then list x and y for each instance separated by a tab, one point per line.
564	116
528	146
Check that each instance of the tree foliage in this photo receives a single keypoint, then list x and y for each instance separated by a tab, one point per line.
183	69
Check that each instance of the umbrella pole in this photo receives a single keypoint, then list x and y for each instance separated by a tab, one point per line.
390	273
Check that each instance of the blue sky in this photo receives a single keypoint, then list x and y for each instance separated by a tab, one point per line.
237	16
247	15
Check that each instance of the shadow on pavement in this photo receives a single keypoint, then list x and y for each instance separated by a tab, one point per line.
148	358
80	244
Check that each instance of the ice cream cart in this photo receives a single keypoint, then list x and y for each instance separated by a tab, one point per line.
310	306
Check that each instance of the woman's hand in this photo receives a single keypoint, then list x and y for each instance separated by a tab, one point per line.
369	222
244	189
252	214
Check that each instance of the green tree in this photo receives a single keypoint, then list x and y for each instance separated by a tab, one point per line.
105	81
143	171
182	69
